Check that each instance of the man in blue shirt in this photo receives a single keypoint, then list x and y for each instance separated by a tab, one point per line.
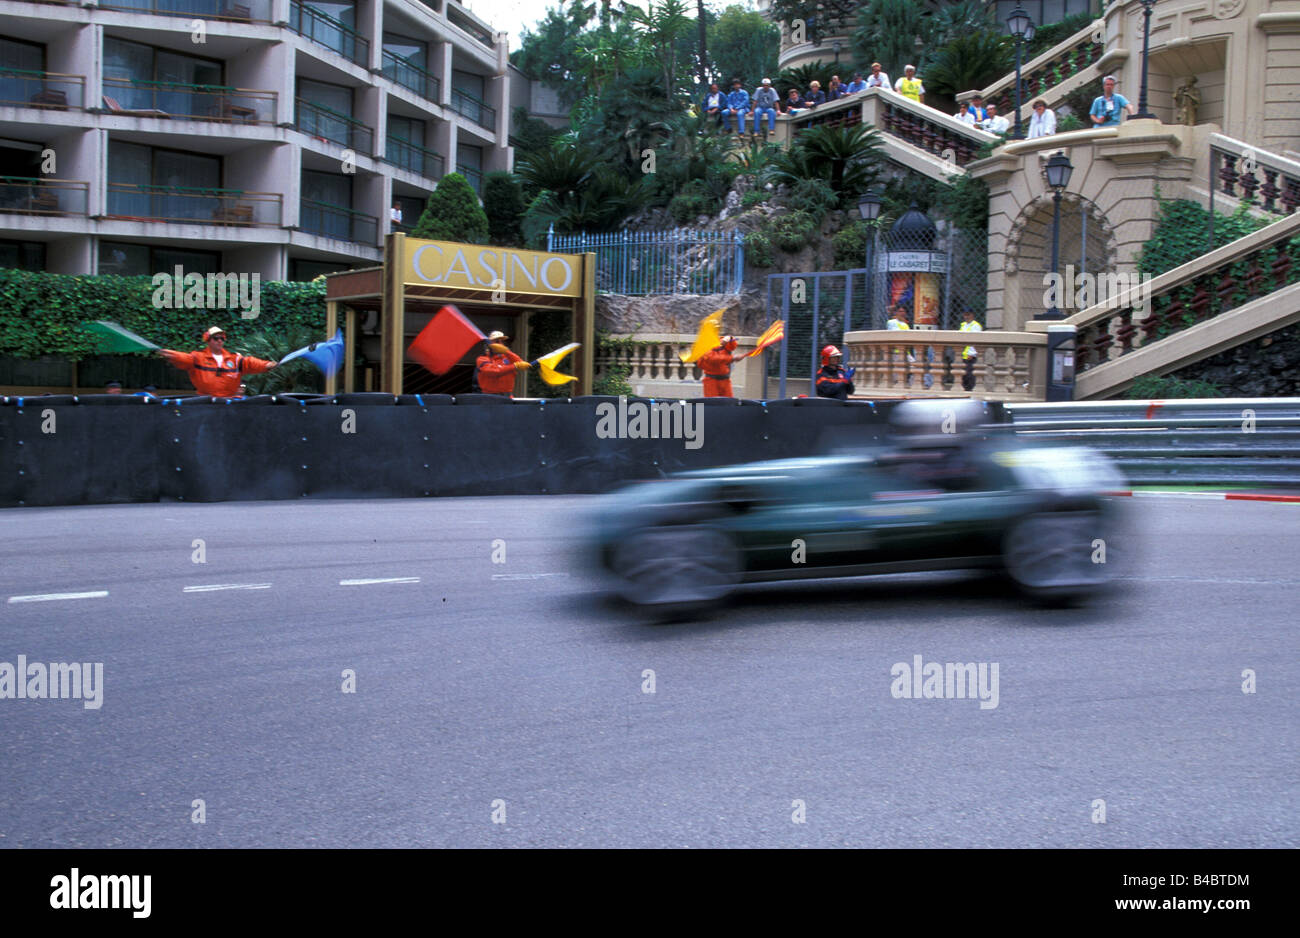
856	85
1108	106
714	103
737	105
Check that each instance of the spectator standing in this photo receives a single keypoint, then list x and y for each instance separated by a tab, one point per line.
975	113
715	102
877	78
835	89
856	85
1043	123
909	86
395	215
1108	106
995	123
766	101
737	105
968	354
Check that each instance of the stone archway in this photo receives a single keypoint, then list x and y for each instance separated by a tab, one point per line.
1087	244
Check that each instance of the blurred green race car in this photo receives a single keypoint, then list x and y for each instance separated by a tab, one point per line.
945	494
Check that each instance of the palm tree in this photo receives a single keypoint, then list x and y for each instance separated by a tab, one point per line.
849	158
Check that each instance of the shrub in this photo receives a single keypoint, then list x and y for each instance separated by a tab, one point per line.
1168	387
453	213
850	246
792	231
693	200
1183	234
503	204
754	197
758	249
1069	122
814	197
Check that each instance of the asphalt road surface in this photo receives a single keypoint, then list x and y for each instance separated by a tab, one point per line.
514	689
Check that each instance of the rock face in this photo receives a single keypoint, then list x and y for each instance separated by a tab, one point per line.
1265	367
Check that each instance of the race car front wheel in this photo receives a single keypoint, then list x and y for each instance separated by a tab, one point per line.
678	567
1051	557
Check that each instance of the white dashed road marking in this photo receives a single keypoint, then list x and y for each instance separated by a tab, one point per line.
391	579
227	586
48	597
525	576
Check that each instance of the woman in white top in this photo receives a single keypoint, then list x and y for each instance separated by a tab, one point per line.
1043	123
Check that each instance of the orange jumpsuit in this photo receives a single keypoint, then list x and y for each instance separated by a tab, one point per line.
496	373
716	366
209	378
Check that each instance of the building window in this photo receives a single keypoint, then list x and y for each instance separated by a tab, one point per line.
303	271
411	208
141	78
25	255
469	163
127	259
326	204
152	183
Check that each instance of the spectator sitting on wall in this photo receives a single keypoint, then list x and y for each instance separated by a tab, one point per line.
794	102
737	105
995	123
714	103
113	387
766	101
835	89
1108	106
494	370
1043	123
877	78
815	95
215	370
909	86
856	85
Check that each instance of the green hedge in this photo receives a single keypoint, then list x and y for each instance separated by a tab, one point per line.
41	313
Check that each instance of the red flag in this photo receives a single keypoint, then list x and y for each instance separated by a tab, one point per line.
774	334
445	340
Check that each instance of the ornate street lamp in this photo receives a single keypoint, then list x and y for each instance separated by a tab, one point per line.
869	207
1059	169
1022	28
1146	42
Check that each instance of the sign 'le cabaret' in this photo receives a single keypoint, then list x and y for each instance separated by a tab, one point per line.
482	267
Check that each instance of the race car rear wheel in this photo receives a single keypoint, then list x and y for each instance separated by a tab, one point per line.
1050	557
676	567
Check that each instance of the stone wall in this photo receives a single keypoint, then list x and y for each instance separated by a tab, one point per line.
1265	367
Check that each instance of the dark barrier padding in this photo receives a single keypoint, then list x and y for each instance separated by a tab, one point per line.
113	400
235	452
425	400
47	400
364	397
71	455
258	400
290	398
483	399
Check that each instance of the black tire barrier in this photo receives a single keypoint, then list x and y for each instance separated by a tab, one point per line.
257	400
365	399
426	400
217	453
490	399
113	400
289	398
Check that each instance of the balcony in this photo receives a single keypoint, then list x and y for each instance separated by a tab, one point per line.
466	105
410	76
131	97
473	176
49	91
328	32
417	159
195	206
245	11
324	124
335	221
22	195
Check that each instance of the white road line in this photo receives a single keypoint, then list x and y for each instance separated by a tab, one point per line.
390	579
525	576
48	597
227	586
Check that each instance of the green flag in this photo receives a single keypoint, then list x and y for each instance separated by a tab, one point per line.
116	340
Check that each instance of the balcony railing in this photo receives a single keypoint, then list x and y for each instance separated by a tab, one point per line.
22	195
1048	70
242	11
411	76
48	91
326	31
335	221
471	29
473	176
133	97
466	105
192	205
417	159
931	130
321	122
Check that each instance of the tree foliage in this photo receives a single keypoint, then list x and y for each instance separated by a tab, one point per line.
848	158
453	213
968	61
743	43
503	204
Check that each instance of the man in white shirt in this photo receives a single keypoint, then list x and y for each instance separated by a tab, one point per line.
1043	123
995	123
877	78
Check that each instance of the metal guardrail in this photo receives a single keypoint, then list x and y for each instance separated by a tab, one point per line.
1228	441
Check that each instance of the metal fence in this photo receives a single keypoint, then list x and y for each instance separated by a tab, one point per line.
935	277
644	263
1232	441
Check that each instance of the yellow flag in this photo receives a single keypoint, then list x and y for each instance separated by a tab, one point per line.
707	339
547	364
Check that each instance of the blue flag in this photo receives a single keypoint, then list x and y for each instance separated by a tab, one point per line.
327	356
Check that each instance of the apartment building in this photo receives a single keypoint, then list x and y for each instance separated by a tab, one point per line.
267	136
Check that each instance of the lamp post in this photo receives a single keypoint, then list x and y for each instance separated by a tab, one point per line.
1146	43
869	207
1059	169
1022	28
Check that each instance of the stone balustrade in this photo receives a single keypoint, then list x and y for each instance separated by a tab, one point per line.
1008	366
655	368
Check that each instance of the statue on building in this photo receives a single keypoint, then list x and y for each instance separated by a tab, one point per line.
1186	101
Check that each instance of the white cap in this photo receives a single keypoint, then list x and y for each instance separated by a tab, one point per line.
767	81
